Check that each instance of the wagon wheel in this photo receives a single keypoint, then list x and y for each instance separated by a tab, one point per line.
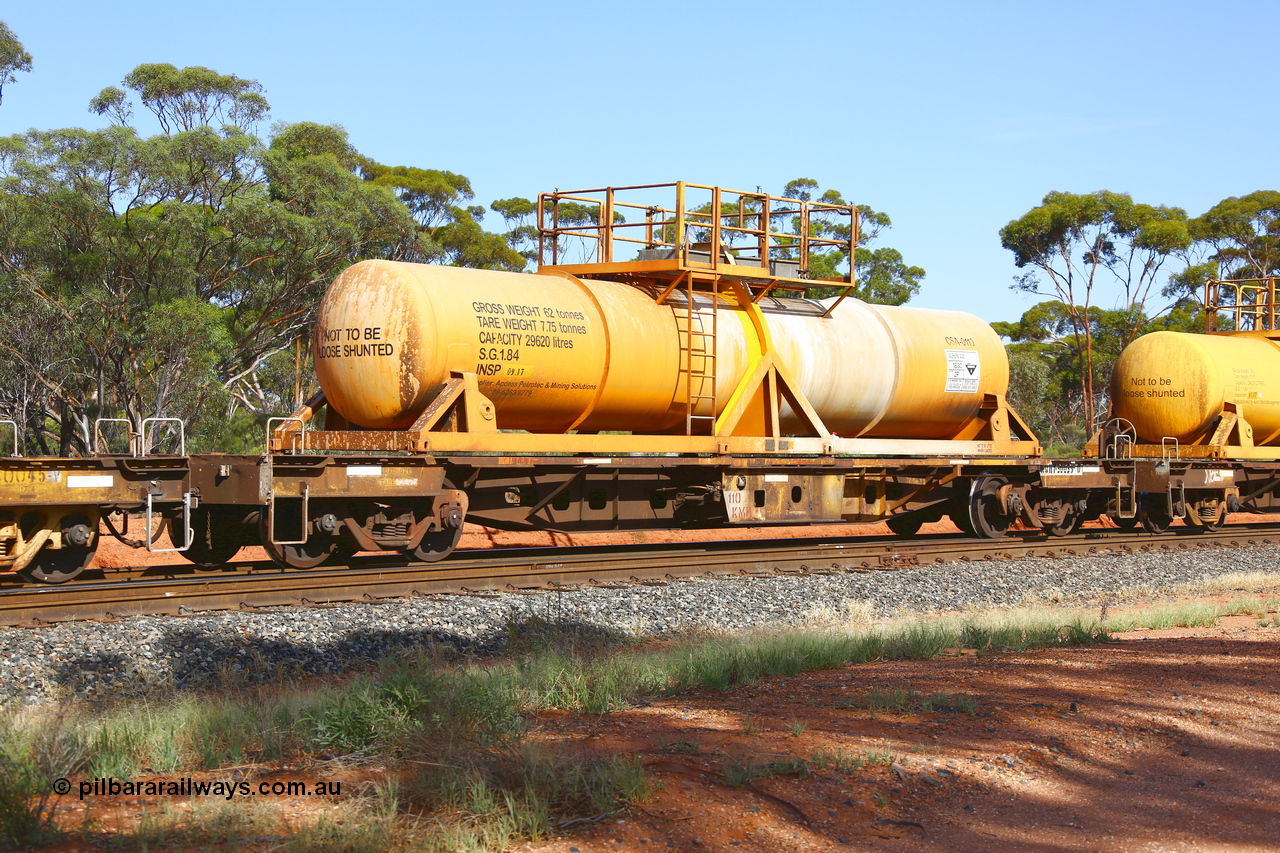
59	565
216	537
436	545
308	555
346	548
988	517
907	524
1153	512
959	516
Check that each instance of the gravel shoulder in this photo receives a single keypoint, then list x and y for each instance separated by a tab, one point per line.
164	653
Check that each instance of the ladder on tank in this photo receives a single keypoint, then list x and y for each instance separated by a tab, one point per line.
698	344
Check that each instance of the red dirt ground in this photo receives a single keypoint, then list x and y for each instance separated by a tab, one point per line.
1165	741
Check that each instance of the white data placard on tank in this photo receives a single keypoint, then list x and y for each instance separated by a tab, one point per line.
963	371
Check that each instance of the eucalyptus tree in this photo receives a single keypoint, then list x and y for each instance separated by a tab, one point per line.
171	268
1073	246
13	57
449	230
1238	238
1242	234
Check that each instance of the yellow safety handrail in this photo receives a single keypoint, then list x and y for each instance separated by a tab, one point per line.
1249	304
748	228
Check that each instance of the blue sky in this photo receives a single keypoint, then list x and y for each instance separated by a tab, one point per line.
952	118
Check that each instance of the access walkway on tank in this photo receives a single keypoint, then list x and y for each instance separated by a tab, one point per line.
758	245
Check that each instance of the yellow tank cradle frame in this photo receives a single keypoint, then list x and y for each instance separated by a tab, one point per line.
757	246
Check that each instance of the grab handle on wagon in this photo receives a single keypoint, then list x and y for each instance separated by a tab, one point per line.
187	538
145	443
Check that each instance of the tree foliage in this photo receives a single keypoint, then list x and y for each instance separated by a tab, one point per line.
183	99
521	218
1243	235
1046	356
13	57
1071	246
177	273
449	230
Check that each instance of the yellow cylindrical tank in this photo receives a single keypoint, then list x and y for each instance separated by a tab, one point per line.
1174	385
555	352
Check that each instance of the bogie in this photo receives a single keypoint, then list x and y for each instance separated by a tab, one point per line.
52	544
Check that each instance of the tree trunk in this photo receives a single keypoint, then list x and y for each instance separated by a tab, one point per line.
65	432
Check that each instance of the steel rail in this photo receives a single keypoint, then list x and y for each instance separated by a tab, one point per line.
180	590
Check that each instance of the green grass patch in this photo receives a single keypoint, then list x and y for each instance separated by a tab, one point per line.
519	792
32	756
738	773
838	760
226	826
1189	615
903	700
1257	606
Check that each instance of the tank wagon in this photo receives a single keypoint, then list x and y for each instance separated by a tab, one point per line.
1198	416
680	370
670	364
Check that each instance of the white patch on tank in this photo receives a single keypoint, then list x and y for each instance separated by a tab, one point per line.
364	471
964	371
846	365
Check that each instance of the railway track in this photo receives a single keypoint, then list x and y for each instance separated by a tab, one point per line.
182	589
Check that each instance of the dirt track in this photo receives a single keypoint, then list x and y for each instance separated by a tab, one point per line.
1164	741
